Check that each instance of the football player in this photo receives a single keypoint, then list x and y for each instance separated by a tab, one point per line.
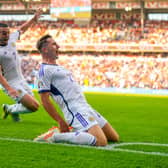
11	77
89	127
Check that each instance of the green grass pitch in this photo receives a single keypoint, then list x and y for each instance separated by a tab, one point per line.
138	119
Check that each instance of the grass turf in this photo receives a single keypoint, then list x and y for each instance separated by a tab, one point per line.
136	118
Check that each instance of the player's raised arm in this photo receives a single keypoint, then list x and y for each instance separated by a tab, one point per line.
30	22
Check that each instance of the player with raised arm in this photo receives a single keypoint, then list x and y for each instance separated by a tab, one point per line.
11	77
89	127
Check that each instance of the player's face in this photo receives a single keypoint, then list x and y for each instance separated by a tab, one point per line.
52	47
4	36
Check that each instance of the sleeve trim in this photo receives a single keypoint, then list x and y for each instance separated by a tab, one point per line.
43	91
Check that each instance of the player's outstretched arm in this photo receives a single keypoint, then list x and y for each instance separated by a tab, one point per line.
32	21
49	107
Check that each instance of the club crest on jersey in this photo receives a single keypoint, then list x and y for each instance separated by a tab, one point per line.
13	44
20	92
91	118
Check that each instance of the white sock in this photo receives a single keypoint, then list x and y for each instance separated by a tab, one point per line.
81	138
18	108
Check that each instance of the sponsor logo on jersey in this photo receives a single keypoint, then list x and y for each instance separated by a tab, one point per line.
40	84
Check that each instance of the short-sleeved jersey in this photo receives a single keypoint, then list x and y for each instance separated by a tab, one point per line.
9	60
64	90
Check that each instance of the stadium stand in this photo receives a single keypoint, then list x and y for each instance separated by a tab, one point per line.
102	70
114	50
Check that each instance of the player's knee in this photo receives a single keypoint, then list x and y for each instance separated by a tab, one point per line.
30	102
116	138
101	141
34	106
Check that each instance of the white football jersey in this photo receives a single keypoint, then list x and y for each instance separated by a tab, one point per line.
9	60
64	90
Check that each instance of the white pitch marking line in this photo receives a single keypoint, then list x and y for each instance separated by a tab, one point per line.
112	147
140	143
141	152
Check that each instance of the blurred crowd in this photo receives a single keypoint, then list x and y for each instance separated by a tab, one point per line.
104	70
99	69
98	31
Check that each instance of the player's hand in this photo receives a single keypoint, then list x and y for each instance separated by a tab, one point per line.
13	93
38	14
63	127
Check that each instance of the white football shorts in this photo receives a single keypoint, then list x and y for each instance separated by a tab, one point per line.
22	87
85	118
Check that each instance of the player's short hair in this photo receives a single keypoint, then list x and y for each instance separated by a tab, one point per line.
42	41
3	25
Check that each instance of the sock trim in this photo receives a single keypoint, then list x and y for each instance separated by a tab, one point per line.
93	142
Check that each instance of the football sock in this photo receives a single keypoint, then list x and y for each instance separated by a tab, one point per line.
81	138
18	108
